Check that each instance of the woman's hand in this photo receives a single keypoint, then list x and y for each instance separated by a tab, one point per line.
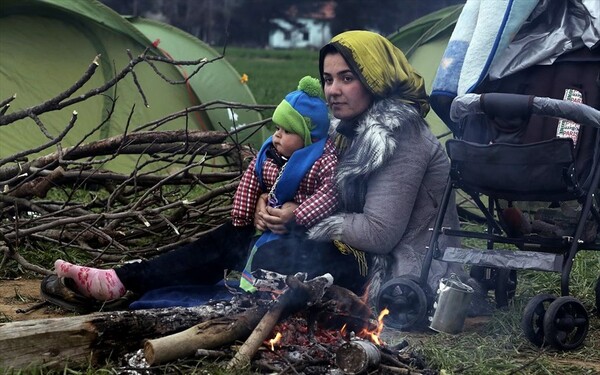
276	219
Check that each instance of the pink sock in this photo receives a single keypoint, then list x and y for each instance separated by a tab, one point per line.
102	285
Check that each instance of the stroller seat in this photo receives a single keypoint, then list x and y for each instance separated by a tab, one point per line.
542	171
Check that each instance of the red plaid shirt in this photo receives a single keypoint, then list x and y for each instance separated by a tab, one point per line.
316	195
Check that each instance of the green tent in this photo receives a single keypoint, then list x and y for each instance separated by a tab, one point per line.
424	41
46	46
215	80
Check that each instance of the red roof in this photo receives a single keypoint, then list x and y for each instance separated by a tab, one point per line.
325	12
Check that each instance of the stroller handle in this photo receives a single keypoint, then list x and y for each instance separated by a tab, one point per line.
501	105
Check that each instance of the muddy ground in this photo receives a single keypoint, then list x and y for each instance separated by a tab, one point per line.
21	294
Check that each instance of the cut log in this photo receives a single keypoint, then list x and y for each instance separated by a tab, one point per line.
92	338
206	335
264	328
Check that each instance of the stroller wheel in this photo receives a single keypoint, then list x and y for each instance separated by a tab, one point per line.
406	302
566	323
532	322
506	285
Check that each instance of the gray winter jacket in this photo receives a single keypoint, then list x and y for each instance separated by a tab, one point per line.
403	170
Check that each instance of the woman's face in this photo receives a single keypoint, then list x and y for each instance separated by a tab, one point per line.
345	94
286	142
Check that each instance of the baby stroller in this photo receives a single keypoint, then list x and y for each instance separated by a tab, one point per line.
537	192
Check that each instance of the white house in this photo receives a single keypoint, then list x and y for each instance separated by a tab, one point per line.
310	30
312	33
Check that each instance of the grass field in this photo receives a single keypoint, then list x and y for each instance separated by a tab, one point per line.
273	73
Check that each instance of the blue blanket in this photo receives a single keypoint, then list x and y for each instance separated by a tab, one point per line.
483	30
185	295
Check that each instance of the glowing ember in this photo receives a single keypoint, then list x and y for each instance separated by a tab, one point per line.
275	340
374	335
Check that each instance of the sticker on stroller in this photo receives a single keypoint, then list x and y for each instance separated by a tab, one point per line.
567	128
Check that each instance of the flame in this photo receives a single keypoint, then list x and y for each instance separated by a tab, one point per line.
343	330
275	340
374	335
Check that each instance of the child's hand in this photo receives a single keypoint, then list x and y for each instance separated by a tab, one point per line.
261	206
277	218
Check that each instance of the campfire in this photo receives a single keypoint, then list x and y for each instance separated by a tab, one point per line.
291	325
313	326
295	343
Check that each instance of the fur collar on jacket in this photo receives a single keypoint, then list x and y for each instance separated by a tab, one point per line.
373	144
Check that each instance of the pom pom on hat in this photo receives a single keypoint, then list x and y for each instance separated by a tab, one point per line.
311	86
304	112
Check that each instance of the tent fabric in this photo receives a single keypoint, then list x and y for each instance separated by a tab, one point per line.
92	11
46	46
179	45
424	41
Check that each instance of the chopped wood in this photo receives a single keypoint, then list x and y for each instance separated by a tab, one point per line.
94	337
210	334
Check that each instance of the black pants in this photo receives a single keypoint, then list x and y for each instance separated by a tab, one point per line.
203	261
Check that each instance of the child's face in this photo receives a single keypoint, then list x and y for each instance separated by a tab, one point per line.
286	142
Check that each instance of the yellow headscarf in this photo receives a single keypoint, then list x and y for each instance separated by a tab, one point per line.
381	66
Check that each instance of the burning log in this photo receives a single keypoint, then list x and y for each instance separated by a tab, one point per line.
341	309
298	295
206	335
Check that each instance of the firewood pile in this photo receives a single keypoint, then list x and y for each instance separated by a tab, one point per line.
65	197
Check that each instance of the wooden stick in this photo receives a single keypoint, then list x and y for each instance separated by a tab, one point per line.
259	335
208	353
398	370
299	295
206	335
